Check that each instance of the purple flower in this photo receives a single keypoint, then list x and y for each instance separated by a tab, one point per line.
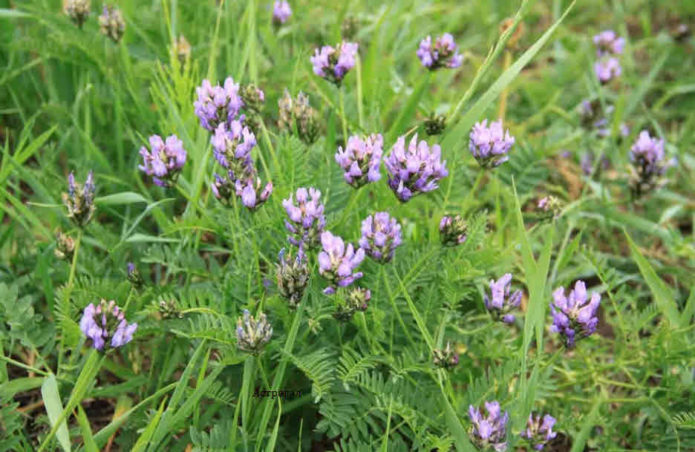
539	430
574	316
252	192
607	69
489	431
415	169
281	12
452	230
306	219
164	160
332	64
223	188
111	23
232	145
337	262
649	163
381	235
218	104
490	145
501	300
253	333
443	54
105	325
608	42
361	159
79	200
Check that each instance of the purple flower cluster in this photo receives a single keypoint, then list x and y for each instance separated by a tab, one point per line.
453	230
105	325
338	262
360	159
442	54
608	46
306	219
163	160
595	116
649	163
539	430
218	104
574	316
489	431
333	63
79	200
490	145
381	235
415	169
232	145
111	23
281	12
502	300
608	43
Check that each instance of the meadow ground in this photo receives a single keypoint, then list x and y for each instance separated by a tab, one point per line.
497	286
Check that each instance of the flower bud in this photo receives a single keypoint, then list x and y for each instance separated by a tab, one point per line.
253	333
445	358
77	10
79	200
292	277
65	246
111	23
452	230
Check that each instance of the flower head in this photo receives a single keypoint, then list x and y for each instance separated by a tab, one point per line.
281	12
649	163
446	358
334	63
111	23
490	145
253	98
164	160
435	124
297	116
502	300
442	54
77	10
106	326
539	430
608	43
489	431
381	235
65	246
218	104
338	262
79	200
253	333
223	187
232	145
574	316
306	220
414	170
181	50
452	230
549	207
292	276
607	68
356	300
360	160
134	276
252	191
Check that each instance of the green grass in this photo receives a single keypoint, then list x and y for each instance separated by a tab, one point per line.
72	100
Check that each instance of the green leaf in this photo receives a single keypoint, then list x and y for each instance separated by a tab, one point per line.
662	295
54	408
87	436
127	197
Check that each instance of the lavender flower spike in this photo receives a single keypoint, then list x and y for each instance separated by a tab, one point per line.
539	430
306	219
164	160
490	145
501	300
252	193
648	163
574	316
608	42
337	262
489	431
79	200
381	235
217	104
443	54
253	333
292	276
361	159
231	145
281	12
415	169
607	69
334	63
106	326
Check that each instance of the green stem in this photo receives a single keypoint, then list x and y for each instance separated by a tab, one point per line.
66	297
341	97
